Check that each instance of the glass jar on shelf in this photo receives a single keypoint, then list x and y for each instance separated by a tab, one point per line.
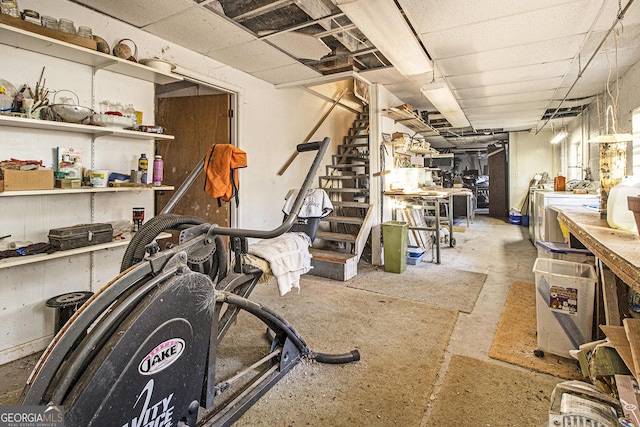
66	26
49	22
85	32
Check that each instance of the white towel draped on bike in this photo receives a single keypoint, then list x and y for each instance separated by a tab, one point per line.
288	257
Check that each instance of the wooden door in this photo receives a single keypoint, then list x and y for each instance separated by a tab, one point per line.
197	122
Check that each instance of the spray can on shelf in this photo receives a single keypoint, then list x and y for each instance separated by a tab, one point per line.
157	170
143	167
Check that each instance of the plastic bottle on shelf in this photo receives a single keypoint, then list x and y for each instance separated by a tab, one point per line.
77	165
130	113
618	213
143	167
157	170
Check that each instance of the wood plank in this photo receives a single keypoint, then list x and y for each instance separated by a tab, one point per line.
609	295
632	327
337	237
420	224
618	337
331	256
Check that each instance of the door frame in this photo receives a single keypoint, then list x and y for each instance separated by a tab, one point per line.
211	87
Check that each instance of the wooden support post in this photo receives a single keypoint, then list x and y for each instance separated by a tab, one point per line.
609	294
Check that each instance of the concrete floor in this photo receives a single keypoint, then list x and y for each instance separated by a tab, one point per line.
500	250
504	253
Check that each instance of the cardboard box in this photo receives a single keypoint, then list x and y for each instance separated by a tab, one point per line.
40	179
48	32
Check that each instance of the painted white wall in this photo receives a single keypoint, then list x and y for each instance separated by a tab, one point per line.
528	154
271	122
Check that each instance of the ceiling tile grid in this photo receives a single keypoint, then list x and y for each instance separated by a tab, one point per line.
508	62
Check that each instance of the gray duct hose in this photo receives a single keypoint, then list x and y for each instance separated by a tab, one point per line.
149	231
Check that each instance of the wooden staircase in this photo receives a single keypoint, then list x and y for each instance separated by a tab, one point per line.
347	229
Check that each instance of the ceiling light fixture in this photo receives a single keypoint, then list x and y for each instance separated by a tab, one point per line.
559	137
442	98
383	24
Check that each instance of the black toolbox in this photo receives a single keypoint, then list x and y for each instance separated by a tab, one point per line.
80	235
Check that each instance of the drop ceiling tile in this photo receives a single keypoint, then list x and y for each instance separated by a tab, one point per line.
510	75
300	45
139	13
506	99
286	74
385	76
610	12
253	56
440	15
510	124
516	56
509	88
207	31
531	115
523	29
499	109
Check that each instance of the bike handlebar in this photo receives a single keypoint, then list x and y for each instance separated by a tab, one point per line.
319	146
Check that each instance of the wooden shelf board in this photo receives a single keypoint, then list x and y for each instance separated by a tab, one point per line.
59	191
78	128
411	121
29	259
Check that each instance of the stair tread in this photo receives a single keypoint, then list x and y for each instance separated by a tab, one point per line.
360	157
343	219
350	204
346	190
357	176
349	165
339	237
331	256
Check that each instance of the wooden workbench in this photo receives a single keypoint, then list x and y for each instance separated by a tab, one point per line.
617	249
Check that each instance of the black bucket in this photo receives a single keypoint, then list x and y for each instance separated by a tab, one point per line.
66	305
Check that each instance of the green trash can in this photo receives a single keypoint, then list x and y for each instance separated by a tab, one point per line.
395	236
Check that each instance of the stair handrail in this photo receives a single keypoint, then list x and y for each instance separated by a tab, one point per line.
313	131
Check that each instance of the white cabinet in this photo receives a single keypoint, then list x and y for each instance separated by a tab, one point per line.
26	283
545	220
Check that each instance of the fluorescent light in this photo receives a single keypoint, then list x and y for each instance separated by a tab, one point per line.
559	137
382	23
442	98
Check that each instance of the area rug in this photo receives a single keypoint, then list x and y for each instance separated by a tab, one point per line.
515	338
474	392
401	343
426	282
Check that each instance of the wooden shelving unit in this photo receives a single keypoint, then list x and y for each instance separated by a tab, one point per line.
410	120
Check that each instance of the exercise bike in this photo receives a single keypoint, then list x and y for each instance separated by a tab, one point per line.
142	351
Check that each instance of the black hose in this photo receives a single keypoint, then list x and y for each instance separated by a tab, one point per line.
222	260
149	231
352	356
